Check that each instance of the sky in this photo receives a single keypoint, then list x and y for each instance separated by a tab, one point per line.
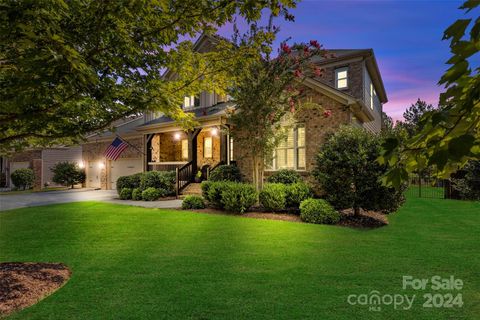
406	36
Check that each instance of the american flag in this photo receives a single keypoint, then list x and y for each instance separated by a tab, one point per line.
115	149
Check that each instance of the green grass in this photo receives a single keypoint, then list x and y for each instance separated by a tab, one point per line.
135	263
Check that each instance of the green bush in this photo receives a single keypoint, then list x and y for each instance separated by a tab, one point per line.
238	197
205	185
126	194
160	180
152	194
68	174
226	173
318	211
137	194
23	178
273	196
466	182
193	202
285	176
296	193
132	182
349	173
214	194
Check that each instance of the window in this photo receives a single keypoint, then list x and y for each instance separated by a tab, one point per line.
231	148
372	94
191	101
207	147
184	149
290	154
341	78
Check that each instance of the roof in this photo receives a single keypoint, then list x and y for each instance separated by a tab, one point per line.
123	127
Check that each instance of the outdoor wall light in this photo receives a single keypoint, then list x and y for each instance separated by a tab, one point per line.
176	136
214	131
101	165
81	165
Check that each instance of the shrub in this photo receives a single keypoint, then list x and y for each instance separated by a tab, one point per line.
160	180
466	182
226	173
137	194
205	185
132	182
296	193
152	194
285	176
214	194
68	174
126	194
273	196
318	211
23	178
193	202
238	197
350	175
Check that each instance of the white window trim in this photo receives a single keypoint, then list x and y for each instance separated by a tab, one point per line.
337	71
295	148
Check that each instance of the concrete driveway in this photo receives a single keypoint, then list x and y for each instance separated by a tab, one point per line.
32	199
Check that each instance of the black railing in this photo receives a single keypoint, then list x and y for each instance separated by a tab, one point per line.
183	176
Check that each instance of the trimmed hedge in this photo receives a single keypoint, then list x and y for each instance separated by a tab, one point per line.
126	194
23	178
238	197
226	173
296	193
160	180
193	202
137	194
318	211
132	182
152	194
285	176
273	196
214	194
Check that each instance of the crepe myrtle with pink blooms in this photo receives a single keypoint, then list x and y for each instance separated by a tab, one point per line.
269	91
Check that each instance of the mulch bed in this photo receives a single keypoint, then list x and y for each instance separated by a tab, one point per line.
366	219
252	214
23	284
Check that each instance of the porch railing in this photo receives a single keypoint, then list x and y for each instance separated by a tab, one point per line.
165	166
183	176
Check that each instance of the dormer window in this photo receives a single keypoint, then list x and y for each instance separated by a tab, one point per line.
191	101
341	78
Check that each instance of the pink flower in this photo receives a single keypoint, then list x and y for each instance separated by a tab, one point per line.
327	113
285	48
306	51
317	71
292	105
314	43
297	73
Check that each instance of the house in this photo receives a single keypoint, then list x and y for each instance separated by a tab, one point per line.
351	88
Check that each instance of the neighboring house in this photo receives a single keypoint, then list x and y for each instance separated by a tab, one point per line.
351	88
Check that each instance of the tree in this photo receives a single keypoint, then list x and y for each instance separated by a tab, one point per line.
267	92
449	137
23	178
68	174
72	67
413	115
350	175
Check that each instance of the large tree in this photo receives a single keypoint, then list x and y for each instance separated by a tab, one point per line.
450	136
413	115
71	67
267	92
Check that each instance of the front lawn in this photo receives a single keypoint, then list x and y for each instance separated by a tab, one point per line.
136	263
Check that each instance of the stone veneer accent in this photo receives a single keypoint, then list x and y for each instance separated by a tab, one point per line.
93	151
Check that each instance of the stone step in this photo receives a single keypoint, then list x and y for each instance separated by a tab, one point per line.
193	188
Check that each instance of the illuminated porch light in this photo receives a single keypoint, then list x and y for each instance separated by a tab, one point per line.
214	131
176	136
81	164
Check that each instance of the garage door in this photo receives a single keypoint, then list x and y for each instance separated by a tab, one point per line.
124	167
18	165
93	172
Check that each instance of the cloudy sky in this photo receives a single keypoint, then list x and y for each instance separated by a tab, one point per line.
405	35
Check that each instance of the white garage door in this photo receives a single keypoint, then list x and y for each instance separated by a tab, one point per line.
93	172
124	167
18	165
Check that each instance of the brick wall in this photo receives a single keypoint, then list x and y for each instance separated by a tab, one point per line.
354	78
317	127
201	160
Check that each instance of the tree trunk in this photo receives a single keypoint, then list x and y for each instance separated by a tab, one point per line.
356	211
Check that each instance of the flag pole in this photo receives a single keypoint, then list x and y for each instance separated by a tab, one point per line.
131	145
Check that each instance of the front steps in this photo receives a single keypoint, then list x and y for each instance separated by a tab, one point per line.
192	189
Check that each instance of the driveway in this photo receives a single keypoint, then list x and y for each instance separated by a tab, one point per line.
32	199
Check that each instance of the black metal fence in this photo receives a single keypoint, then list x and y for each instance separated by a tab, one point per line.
429	187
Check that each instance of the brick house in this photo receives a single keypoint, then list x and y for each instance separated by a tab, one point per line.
351	88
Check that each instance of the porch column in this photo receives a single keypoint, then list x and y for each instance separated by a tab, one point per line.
224	147
148	151
192	149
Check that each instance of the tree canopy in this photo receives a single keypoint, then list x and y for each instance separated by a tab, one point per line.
68	68
450	136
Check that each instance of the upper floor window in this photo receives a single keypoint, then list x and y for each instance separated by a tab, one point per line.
191	101
290	153
341	78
